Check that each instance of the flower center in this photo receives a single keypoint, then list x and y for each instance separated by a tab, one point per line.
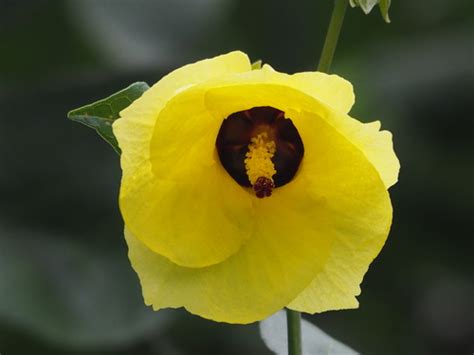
260	148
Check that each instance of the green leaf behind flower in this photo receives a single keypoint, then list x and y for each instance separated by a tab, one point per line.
315	342
368	5
101	114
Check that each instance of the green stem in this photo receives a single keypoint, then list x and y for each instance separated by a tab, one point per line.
293	321
332	35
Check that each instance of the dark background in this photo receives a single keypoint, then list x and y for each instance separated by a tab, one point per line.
66	286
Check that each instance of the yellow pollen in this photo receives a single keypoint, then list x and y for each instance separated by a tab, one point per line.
258	161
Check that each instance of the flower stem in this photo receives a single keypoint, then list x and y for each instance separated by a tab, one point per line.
332	35
293	321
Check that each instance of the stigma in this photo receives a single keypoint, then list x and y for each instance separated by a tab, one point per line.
263	187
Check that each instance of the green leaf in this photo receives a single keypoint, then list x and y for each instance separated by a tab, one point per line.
368	5
384	5
315	342
101	114
257	64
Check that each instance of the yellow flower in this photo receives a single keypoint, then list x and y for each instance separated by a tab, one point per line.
245	191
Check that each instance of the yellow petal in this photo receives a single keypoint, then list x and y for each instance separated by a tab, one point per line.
166	211
338	93
330	89
377	146
337	96
354	246
337	195
274	265
337	285
177	208
135	127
